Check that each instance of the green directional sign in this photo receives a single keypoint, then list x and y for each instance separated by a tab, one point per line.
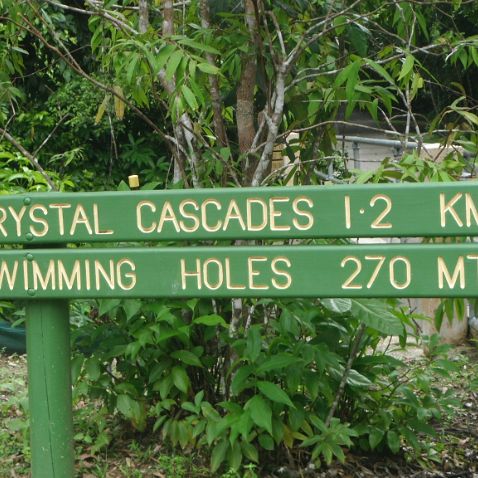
439	209
449	270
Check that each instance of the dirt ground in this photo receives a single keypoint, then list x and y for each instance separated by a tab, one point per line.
457	437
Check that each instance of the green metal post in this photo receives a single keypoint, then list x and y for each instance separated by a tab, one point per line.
49	389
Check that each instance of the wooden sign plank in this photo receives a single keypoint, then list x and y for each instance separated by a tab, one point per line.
378	210
446	270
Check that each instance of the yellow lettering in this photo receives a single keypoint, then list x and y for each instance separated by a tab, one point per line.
11	276
139	217
44	280
87	274
18	218
69	281
193	217
281	272
3	217
108	277
233	215
38	220
96	222
448	207
80	217
263	204
204	223
253	273
229	283
61	219
458	273
167	214
185	274
273	214
300	212
206	272
131	276
470	210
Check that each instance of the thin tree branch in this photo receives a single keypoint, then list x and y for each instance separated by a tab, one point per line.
33	160
345	376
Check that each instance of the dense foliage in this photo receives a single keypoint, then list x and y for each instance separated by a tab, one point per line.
202	93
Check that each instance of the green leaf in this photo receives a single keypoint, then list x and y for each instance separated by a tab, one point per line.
92	368
239	380
356	379
375	437
127	406
275	393
407	66
211	320
339	306
380	70
180	379
189	97
250	451
266	442
374	313
218	454
76	366
173	63
393	441
277	362
131	307
253	343
187	357
208	68
261	412
107	305
199	46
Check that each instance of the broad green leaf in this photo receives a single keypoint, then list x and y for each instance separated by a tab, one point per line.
131	307
107	305
253	343
235	456
211	320
92	368
250	451
208	68
375	437
407	66
339	306
375	314
218	454
187	357
275	393
180	379
189	97
199	46
393	441
380	70
277	362
128	407
260	412
240	377
173	63
266	442
131	70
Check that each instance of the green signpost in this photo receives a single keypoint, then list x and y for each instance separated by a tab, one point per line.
47	277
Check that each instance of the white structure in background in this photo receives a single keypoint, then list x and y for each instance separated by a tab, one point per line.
366	153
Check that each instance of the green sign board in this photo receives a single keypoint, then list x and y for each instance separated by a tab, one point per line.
446	270
50	277
379	210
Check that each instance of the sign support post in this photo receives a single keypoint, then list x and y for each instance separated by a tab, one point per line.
49	388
